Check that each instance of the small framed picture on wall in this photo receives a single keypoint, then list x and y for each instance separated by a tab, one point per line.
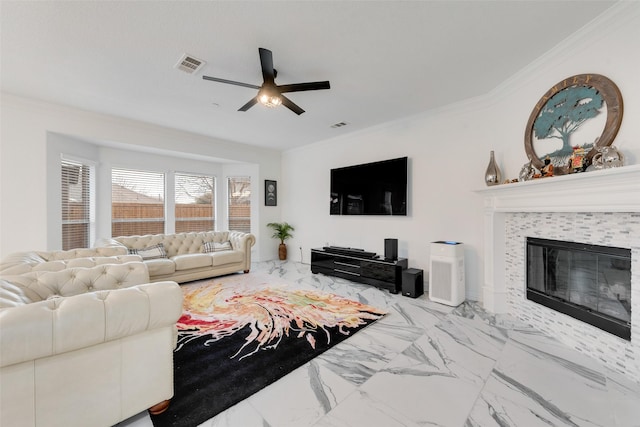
270	193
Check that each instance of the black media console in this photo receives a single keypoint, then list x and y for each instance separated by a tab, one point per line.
359	266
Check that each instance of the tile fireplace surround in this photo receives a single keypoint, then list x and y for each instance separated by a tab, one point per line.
601	208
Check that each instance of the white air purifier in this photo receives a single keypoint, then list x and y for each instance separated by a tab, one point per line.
446	273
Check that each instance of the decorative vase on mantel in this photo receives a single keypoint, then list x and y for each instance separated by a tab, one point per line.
492	176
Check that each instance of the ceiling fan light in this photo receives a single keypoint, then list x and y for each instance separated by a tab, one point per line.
264	99
270	101
275	101
269	98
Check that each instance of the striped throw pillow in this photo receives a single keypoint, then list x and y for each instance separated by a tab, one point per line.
151	252
216	247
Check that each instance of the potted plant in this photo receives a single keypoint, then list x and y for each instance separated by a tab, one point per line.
282	231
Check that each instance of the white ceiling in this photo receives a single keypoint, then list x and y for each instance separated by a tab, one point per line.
385	59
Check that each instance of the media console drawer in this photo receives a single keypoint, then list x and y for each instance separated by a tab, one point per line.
347	267
379	271
382	273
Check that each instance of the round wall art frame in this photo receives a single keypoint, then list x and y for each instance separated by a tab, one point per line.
569	116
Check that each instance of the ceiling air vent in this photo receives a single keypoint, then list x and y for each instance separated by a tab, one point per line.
189	64
339	125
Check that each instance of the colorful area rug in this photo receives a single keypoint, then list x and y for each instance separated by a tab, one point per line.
238	334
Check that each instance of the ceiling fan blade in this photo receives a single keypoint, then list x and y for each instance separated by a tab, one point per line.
266	61
231	82
291	105
249	104
300	87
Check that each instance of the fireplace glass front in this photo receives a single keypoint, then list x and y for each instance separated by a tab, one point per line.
590	283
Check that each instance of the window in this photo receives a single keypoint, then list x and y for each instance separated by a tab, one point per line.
195	203
240	203
77	221
137	202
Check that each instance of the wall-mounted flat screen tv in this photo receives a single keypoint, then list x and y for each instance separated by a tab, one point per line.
378	188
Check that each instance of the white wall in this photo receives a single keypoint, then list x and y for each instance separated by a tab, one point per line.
34	133
449	151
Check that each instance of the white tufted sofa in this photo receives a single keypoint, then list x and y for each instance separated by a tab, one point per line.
185	259
25	262
85	346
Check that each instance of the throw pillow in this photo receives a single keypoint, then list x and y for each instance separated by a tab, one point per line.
151	252
216	247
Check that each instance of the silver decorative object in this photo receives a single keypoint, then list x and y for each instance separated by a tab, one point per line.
492	176
607	157
527	172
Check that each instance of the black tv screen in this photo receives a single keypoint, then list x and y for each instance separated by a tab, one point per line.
378	188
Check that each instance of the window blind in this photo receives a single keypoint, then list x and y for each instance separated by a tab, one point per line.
76	204
239	190
137	202
194	203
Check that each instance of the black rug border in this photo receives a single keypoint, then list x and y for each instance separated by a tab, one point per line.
202	413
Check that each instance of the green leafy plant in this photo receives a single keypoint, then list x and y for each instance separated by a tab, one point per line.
281	230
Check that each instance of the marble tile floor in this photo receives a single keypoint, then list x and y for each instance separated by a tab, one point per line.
427	364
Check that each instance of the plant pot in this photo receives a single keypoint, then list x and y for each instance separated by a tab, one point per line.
282	251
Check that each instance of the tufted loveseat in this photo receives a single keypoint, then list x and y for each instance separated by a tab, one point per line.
85	346
183	257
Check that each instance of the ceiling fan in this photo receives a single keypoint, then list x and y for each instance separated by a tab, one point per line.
270	94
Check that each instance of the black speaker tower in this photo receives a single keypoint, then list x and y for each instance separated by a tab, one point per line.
391	249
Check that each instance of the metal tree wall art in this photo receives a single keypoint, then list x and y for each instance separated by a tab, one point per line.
566	108
565	112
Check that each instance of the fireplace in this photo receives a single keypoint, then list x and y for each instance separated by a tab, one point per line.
597	208
591	283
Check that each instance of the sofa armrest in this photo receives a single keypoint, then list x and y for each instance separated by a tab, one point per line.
20	262
61	325
242	241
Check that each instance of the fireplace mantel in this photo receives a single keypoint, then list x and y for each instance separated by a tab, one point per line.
610	190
